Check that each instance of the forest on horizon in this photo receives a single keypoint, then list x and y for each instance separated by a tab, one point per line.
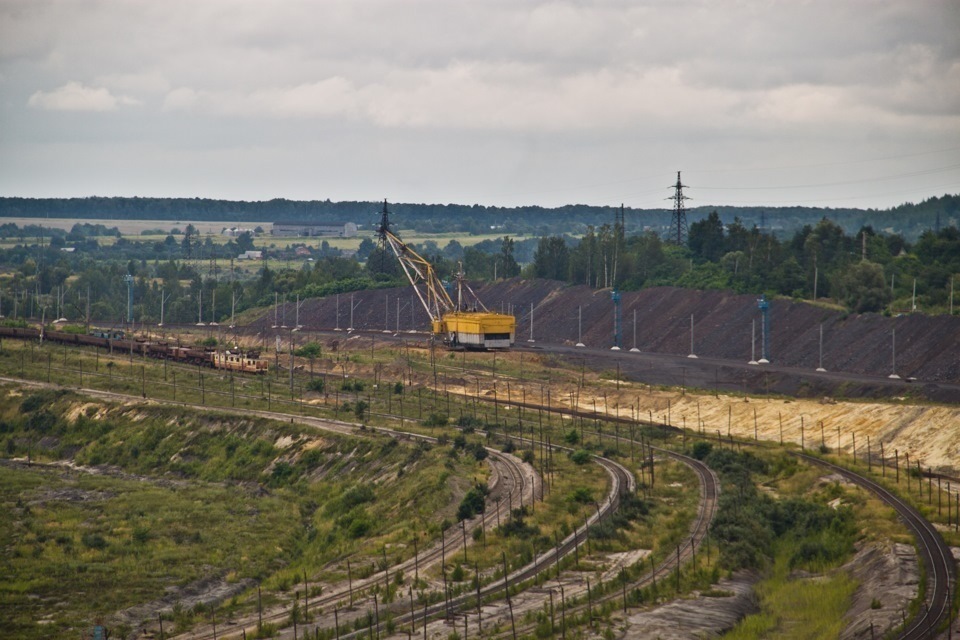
909	220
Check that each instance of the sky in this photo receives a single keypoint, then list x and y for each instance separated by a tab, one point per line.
827	103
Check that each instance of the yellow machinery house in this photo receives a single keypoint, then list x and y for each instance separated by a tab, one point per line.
478	329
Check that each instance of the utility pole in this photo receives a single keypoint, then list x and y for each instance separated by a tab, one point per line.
617	333
129	280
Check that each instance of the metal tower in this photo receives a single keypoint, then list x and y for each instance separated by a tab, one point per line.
678	226
617	322
129	280
764	305
382	230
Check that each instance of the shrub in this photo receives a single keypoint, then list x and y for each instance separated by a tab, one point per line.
316	385
701	450
309	350
478	450
580	456
581	495
473	503
360	410
437	420
93	541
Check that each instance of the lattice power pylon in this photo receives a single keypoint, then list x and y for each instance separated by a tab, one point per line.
678	225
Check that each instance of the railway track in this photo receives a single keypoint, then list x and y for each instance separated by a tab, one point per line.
935	554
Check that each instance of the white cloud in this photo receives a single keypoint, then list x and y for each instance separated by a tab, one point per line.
74	96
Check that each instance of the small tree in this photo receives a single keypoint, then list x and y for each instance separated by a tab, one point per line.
360	410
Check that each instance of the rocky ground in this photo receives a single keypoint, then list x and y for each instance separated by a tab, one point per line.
706	615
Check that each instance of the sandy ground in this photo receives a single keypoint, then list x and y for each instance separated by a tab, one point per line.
930	434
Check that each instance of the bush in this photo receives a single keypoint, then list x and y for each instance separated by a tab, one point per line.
478	450
571	437
360	410
352	385
93	541
580	456
581	495
701	450
309	350
436	420
398	388
473	503
317	385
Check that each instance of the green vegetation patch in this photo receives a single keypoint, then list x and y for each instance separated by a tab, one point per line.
158	498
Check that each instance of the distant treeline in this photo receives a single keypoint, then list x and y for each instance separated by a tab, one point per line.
908	220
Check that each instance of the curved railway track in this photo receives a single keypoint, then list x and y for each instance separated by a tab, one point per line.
934	553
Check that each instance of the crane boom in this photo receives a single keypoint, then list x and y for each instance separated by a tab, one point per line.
455	322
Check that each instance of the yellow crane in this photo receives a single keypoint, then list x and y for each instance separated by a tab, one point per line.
464	324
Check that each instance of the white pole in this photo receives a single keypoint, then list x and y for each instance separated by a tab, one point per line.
692	355
753	342
580	326
893	352
763	344
531	324
161	307
820	368
386	313
635	349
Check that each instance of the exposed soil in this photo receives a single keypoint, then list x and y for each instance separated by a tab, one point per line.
857	348
702	616
889	577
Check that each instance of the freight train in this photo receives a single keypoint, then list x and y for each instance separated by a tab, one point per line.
115	340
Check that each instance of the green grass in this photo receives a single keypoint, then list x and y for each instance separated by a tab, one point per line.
123	544
192	496
797	608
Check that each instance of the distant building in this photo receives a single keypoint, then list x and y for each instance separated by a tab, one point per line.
233	232
251	255
310	229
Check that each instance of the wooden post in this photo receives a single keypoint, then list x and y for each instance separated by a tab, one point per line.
350	582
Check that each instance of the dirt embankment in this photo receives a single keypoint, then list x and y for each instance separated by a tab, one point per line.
927	347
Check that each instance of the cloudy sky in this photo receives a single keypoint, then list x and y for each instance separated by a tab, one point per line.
821	103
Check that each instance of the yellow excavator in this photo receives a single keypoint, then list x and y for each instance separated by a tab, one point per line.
461	325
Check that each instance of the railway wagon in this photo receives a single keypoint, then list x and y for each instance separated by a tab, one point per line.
230	360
